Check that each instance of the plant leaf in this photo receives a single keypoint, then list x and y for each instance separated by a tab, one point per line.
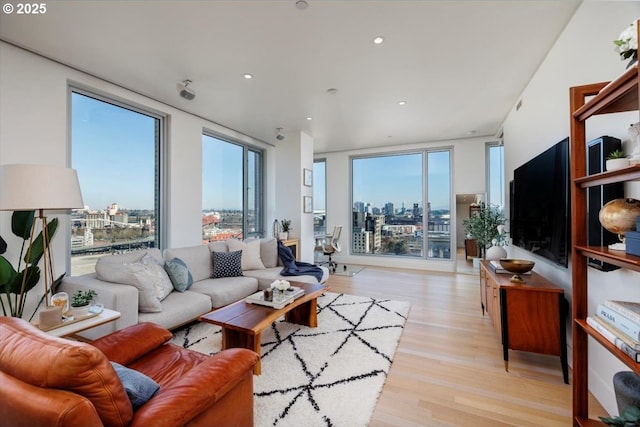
21	223
37	247
7	272
33	277
3	246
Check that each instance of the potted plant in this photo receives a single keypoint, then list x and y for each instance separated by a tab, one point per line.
286	227
15	283
616	160
80	302
482	226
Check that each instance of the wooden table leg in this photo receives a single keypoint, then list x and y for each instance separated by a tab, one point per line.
236	339
305	314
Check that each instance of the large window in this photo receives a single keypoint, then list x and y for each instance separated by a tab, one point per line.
320	197
388	210
116	150
232	189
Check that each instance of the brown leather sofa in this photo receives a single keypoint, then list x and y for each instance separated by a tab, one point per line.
49	381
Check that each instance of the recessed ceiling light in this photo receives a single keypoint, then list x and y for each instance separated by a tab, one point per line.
308	118
472	132
302	4
402	102
378	40
248	76
332	91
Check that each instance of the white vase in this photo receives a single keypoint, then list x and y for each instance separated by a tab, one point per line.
496	252
283	235
613	164
79	312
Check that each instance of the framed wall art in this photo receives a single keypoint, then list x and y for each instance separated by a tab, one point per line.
308	204
307	177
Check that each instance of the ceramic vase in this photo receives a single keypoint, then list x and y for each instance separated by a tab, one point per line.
613	164
496	252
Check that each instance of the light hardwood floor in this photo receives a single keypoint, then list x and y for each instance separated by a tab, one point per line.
448	369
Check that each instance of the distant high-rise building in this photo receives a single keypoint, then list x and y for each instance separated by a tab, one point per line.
361	242
416	211
388	209
358	206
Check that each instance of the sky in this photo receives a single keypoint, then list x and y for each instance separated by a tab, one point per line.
113	150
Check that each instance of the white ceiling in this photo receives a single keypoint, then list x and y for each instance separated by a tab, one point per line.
459	65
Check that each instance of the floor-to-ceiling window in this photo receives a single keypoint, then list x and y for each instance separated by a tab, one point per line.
232	190
117	151
389	216
320	196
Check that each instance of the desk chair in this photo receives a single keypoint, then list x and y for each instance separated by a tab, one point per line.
330	245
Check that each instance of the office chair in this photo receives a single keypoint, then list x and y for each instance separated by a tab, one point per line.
329	245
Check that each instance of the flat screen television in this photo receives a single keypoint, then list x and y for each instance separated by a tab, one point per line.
540	205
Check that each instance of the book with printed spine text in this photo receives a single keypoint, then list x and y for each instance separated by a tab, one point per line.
613	336
620	322
628	309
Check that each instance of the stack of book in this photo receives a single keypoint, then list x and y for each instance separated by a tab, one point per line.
619	323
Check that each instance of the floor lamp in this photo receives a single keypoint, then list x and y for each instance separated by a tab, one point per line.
38	188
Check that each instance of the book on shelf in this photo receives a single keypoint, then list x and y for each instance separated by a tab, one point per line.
613	336
496	267
620	322
629	309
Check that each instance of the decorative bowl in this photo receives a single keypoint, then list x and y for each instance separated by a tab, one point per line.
517	266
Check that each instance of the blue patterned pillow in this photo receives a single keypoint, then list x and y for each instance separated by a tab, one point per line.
179	274
227	264
139	387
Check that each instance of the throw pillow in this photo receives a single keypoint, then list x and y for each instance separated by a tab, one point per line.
157	274
269	252
179	274
227	264
139	387
132	274
250	253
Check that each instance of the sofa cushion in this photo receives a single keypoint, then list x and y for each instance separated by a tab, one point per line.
250	253
197	258
46	361
114	269
179	274
226	290
269	252
227	264
139	387
178	309
218	246
268	275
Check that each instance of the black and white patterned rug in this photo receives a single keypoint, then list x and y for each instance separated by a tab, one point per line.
325	376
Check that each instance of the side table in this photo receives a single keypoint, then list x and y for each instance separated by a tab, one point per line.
70	329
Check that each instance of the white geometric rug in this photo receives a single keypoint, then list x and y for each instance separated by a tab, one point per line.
325	376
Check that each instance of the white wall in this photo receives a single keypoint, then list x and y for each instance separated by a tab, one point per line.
34	129
583	54
468	166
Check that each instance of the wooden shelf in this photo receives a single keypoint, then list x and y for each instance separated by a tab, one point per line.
629	173
619	258
618	96
587	422
624	358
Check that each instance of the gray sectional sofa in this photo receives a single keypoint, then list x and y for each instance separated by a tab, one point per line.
144	286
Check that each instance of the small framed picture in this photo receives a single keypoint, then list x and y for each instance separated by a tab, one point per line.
308	204
307	177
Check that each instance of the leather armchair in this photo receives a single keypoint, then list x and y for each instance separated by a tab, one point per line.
50	381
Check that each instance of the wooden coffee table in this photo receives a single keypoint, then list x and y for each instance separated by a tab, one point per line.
242	323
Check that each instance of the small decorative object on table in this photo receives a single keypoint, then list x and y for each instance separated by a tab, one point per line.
286	227
634	137
517	266
280	286
80	302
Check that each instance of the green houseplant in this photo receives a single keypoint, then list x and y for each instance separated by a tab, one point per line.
82	298
482	226
15	283
616	160
286	227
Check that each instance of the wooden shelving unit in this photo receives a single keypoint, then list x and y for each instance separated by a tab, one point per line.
586	101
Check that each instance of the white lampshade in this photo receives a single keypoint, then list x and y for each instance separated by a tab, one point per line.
33	187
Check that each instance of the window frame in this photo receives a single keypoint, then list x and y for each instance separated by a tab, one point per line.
260	177
161	172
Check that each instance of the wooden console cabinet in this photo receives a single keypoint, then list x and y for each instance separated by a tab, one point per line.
528	316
